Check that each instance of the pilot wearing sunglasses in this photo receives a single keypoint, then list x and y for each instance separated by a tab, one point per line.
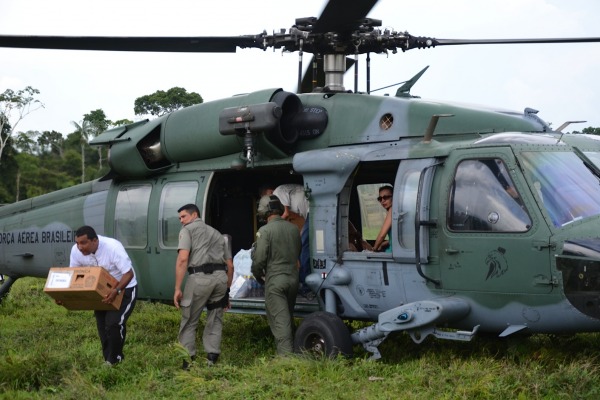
385	198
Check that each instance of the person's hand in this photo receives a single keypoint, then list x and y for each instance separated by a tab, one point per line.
177	298
110	297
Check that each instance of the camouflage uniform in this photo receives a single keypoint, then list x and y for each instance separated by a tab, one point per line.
276	257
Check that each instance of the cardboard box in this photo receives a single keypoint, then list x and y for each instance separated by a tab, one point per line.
82	288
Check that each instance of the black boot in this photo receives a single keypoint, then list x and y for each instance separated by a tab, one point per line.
212	358
186	363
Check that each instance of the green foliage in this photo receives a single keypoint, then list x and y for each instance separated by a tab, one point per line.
51	142
591	131
14	106
98	121
35	163
122	122
9	173
51	353
161	102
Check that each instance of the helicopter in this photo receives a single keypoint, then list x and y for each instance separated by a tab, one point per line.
494	219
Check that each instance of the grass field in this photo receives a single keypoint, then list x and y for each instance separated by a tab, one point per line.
48	352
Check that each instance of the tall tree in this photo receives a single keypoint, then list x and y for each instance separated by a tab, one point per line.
14	106
161	102
122	122
25	142
52	142
84	131
98	123
9	170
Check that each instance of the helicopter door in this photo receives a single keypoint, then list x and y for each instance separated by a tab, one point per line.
147	223
491	237
406	193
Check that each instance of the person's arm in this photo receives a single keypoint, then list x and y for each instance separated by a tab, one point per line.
125	279
74	257
259	257
385	228
286	212
229	263
180	269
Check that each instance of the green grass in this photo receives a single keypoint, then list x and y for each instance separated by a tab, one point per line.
51	353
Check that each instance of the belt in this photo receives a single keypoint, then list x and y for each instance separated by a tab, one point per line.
207	268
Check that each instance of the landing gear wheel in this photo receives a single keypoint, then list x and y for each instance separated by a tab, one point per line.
323	333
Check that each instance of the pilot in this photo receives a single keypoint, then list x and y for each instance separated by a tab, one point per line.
385	198
276	258
205	255
93	249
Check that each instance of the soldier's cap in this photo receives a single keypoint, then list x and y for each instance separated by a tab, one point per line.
267	204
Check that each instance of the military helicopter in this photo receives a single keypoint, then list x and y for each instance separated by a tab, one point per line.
489	233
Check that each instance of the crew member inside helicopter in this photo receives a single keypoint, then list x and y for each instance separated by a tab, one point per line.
385	199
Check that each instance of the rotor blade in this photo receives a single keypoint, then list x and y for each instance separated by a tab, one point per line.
214	44
342	15
450	42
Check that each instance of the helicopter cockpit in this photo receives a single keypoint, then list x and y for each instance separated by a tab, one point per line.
566	197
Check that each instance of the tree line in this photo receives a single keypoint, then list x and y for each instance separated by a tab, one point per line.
38	162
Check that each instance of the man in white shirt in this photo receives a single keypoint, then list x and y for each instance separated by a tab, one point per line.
293	198
91	249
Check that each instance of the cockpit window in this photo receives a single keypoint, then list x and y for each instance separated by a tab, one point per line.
594	157
483	198
567	189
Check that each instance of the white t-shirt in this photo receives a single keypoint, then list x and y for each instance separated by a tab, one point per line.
110	255
292	195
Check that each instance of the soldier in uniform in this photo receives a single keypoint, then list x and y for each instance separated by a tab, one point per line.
205	255
276	259
295	204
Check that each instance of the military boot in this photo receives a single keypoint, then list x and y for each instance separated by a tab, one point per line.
186	364
212	358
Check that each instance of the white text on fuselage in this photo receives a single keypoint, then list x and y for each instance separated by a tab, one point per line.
34	237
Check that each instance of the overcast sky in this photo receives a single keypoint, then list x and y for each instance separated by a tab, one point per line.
562	81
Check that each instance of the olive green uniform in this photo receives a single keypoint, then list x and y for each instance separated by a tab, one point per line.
276	257
206	246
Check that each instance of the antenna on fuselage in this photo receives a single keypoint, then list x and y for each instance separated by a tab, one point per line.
432	124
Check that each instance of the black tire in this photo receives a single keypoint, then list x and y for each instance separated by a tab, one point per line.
323	334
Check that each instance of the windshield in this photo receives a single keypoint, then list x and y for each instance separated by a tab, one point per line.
568	190
594	157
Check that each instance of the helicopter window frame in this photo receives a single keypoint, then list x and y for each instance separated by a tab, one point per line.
352	207
168	218
483	197
131	215
372	214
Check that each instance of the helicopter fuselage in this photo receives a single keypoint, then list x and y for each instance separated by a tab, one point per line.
494	217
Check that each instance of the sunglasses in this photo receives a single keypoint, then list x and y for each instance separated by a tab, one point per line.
386	197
